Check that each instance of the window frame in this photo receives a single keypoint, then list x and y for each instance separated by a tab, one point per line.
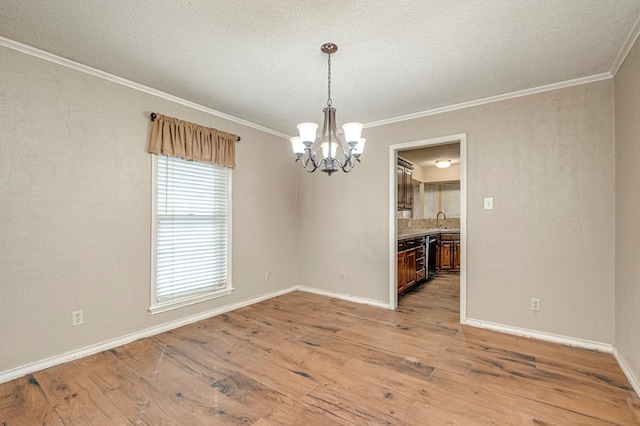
156	307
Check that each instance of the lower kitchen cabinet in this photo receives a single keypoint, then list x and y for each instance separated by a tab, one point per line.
402	271
456	255
406	269
411	262
449	252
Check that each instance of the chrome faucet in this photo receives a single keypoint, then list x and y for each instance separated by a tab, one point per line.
444	217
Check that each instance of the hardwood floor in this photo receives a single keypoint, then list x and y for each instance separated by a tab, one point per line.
303	359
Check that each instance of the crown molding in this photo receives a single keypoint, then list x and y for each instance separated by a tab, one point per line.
11	44
492	99
140	87
626	48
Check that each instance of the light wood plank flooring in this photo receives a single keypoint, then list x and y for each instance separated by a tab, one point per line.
303	359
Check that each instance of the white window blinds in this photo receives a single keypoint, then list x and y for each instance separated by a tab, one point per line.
451	199
192	221
430	200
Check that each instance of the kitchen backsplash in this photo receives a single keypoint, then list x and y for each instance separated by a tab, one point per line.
413	224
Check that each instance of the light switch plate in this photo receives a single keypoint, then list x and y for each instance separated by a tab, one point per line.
488	203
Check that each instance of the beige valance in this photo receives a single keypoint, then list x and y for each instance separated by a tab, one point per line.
190	141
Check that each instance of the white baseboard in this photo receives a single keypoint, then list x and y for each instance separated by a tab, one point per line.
342	296
635	381
540	335
14	373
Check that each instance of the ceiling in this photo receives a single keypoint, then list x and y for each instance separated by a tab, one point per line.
426	157
260	61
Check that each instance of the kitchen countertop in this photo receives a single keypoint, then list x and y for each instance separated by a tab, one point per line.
403	235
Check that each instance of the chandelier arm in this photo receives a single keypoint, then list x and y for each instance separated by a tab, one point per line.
312	153
311	156
333	133
348	156
305	163
310	170
350	162
338	140
340	163
347	169
310	159
332	125
325	126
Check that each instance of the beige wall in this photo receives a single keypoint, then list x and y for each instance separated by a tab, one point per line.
627	267
75	193
547	159
434	174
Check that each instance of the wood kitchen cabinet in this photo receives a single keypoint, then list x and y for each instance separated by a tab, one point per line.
406	269
411	262
402	271
404	179
456	255
449	252
411	268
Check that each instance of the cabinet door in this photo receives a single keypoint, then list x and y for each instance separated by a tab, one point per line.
411	267
408	188
400	182
456	255
402	271
446	255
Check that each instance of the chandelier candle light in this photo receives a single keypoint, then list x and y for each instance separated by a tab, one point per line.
307	149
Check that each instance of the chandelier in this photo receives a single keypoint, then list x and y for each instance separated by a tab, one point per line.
308	150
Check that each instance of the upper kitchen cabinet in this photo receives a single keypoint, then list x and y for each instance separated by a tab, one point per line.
404	178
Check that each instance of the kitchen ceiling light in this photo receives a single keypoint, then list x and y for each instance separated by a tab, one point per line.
443	164
307	149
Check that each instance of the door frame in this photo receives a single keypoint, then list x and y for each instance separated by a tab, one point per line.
393	222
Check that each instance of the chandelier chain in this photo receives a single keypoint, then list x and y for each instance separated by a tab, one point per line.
329	101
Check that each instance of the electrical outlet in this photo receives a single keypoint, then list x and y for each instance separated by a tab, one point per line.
267	276
343	276
76	318
535	304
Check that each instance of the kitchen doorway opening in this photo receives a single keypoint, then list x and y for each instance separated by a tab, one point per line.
394	203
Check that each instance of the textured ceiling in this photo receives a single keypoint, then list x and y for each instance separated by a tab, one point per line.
426	157
261	61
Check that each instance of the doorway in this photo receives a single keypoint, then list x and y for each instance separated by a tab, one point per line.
460	139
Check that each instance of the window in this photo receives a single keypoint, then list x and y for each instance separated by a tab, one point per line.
451	199
430	200
191	233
